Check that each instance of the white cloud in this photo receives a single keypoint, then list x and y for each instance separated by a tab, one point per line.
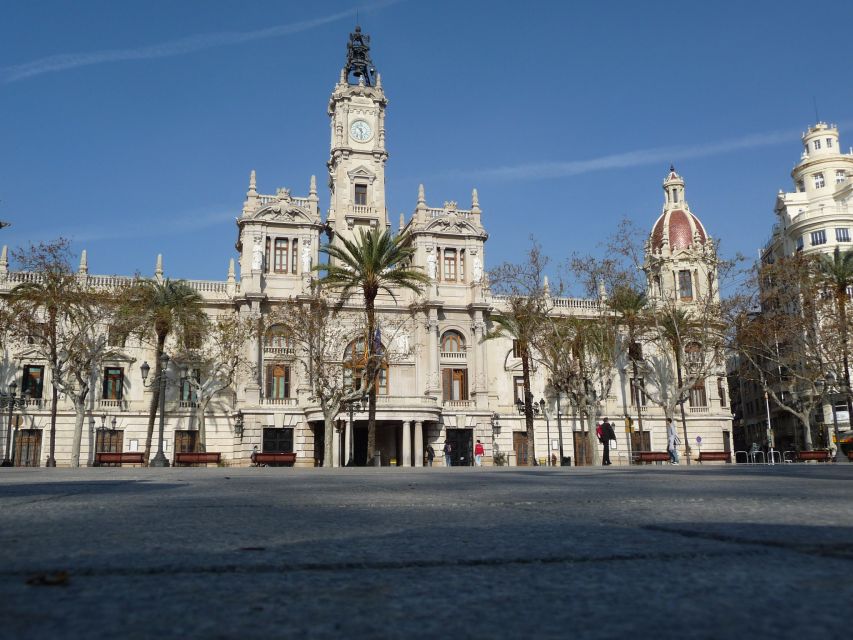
545	170
63	61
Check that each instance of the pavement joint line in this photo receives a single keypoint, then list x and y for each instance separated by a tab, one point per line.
842	551
376	566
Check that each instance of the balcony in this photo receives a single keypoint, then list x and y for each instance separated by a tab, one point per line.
279	351
282	402
455	356
458	404
188	404
699	409
109	404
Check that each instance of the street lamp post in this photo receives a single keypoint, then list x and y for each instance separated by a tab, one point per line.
547	431
7	459
160	459
354	405
830	387
560	427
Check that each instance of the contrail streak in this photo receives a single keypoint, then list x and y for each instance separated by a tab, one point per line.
64	61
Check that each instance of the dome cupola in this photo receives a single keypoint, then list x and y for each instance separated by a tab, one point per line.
676	228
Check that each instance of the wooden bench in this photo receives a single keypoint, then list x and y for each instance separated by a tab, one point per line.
119	458
715	456
819	455
198	457
274	459
641	457
850	455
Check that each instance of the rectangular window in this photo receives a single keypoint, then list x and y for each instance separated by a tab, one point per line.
842	235
801	185
818	181
638	387
721	391
829	143
278	440
518	388
293	254
462	265
697	395
816	145
685	285
113	383
450	265
800	243
280	256
516	349
840	176
361	194
818	237
267	256
278	381
33	382
454	384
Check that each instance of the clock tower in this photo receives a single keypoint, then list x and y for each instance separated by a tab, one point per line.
357	158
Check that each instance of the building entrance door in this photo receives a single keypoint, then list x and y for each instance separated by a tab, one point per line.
27	447
583	452
359	442
519	445
462	446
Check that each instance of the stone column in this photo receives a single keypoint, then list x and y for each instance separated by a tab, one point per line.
336	448
407	444
434	378
347	442
419	443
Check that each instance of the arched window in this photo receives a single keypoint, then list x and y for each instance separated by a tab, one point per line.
452	342
276	338
354	362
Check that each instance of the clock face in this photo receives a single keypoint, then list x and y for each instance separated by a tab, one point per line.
360	131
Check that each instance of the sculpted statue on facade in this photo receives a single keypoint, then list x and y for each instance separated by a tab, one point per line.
431	267
306	255
257	254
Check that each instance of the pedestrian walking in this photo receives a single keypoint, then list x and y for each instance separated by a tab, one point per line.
479	452
430	455
607	434
672	440
448	454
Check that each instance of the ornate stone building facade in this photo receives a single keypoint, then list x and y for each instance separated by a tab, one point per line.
449	384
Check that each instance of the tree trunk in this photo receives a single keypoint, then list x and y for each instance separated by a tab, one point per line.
328	439
592	437
841	300
807	431
528	405
373	372
681	405
54	364
638	399
80	414
200	412
155	396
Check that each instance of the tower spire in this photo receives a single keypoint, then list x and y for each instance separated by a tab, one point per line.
358	58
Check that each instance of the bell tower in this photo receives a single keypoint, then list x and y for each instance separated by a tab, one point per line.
357	156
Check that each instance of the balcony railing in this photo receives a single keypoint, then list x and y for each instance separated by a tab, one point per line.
105	403
188	404
453	355
281	351
287	402
698	409
458	404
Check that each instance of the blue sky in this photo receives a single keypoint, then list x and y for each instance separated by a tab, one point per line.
131	127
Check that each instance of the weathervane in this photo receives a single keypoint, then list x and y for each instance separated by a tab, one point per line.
358	57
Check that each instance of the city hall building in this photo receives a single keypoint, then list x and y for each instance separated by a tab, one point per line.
447	383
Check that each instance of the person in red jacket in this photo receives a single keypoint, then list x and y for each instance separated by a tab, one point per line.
479	452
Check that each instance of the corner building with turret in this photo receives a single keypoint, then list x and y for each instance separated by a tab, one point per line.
446	383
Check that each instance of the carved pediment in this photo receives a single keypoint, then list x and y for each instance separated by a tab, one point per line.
281	211
451	224
361	172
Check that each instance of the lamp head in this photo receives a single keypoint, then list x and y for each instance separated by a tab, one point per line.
13	387
145	368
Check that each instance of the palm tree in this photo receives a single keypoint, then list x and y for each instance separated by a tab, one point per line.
675	326
520	323
836	272
166	307
374	261
630	305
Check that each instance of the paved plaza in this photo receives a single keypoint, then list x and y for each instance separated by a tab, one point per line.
702	552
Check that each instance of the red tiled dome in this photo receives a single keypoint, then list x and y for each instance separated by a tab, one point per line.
679	226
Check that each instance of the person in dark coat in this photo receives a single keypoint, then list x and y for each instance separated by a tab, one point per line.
607	434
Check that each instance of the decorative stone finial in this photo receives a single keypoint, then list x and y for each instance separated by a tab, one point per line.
545	286
402	221
475	201
158	268
421	194
252	192
84	263
343	79
4	259
602	290
312	188
378	81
